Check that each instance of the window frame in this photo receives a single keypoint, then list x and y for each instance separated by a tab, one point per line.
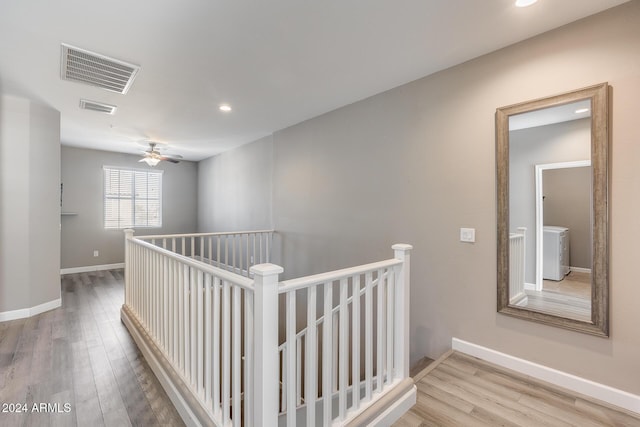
133	171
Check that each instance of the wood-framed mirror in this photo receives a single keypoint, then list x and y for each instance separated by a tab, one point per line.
552	207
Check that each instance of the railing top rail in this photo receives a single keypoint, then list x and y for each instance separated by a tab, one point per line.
316	279
236	279
225	233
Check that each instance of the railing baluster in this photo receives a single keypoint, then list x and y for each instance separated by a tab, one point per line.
216	346
284	374
380	333
200	332
236	358
368	336
344	350
233	253
165	298
253	258
193	328
334	358
248	354
210	259
355	342
299	371
226	251
390	324
218	252
327	352
247	260
311	358
207	339
186	330
181	317
154	296
291	358
174	320
226	351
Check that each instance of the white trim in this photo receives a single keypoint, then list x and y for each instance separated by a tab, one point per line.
580	270
529	286
539	209
127	168
610	395
89	268
28	312
394	412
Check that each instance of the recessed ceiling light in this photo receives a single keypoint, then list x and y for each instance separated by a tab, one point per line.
525	3
582	110
225	107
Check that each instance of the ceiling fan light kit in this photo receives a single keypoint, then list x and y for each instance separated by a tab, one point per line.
153	156
150	161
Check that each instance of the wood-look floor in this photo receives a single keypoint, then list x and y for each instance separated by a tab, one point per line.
83	356
464	391
570	297
576	283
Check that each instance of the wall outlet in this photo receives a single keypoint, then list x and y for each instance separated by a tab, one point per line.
96	253
468	235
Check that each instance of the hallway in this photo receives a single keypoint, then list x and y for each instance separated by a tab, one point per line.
81	360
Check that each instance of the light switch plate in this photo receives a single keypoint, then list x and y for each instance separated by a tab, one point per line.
468	235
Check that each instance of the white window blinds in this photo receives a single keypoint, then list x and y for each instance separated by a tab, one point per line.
132	198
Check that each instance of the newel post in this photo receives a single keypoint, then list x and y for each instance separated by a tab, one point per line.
402	252
128	235
265	358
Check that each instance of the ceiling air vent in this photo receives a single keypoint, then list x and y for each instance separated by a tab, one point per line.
82	66
97	106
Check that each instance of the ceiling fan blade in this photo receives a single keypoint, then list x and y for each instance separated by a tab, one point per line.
170	159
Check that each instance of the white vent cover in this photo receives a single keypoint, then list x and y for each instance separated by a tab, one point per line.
82	66
97	106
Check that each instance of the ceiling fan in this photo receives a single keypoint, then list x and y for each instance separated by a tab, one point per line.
153	156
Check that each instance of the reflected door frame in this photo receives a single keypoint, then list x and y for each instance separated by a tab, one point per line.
539	169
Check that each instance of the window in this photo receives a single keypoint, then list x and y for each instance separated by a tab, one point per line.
132	198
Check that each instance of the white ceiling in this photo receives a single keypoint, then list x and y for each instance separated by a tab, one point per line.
277	62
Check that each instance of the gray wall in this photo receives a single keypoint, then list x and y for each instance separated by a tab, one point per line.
560	142
82	177
416	163
235	189
29	204
567	203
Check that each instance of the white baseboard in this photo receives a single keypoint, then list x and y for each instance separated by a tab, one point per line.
610	395
529	286
580	270
28	312
91	268
397	410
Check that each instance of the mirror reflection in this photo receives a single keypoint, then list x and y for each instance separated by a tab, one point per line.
552	204
550	235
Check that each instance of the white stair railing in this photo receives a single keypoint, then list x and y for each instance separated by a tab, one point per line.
355	350
218	331
201	319
234	251
517	259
